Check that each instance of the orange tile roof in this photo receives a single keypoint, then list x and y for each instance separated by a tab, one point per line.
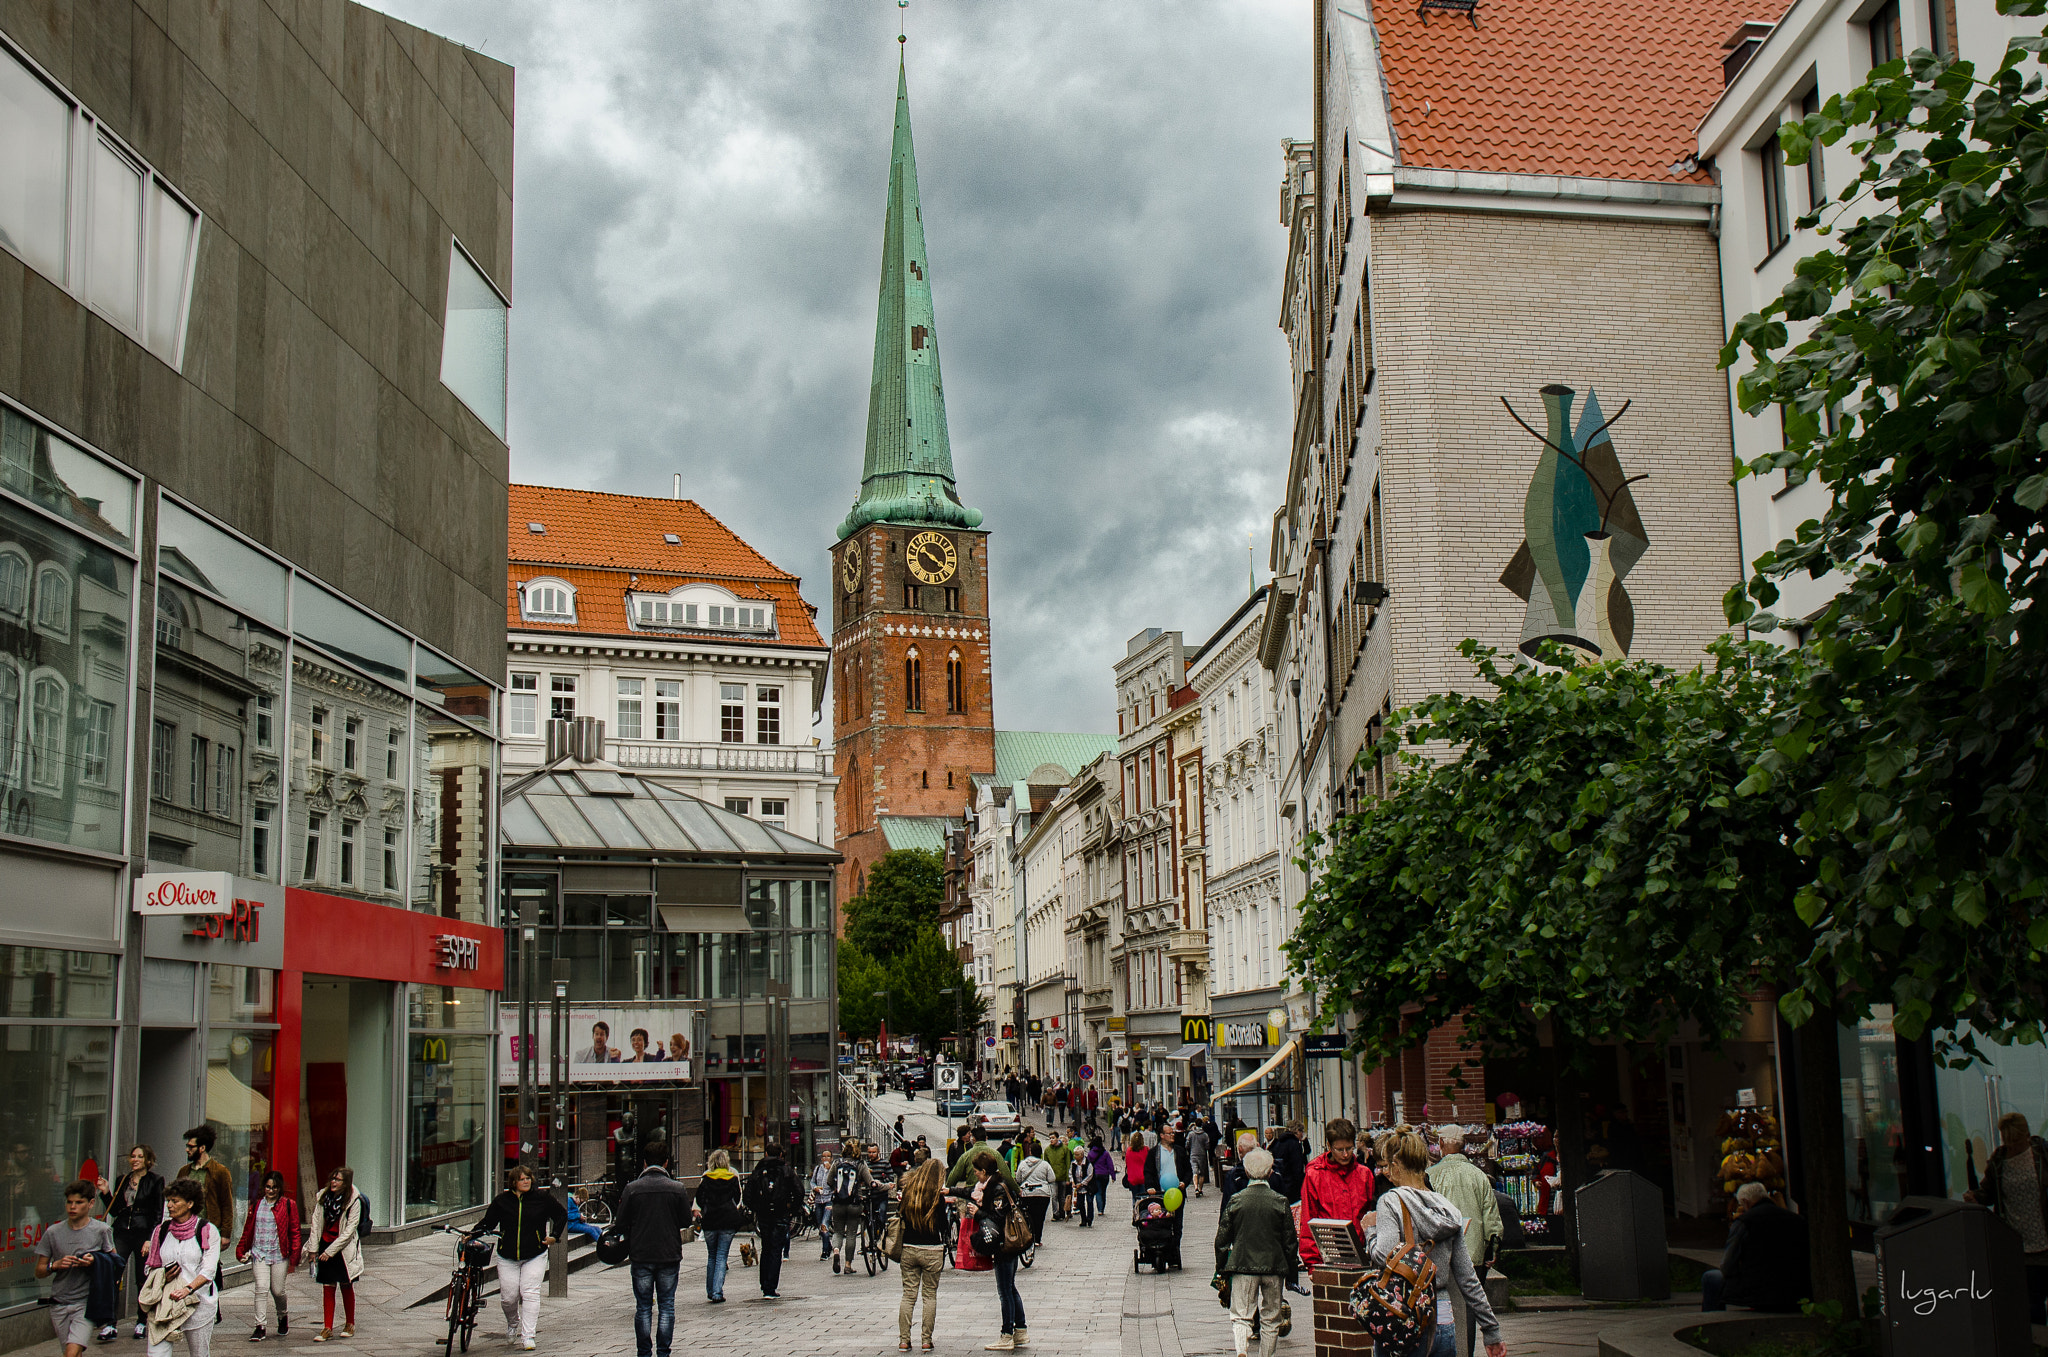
1605	89
598	542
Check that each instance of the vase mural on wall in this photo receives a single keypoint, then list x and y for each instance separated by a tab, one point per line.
1582	533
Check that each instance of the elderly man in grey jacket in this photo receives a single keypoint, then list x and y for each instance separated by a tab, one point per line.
1471	1191
1256	1251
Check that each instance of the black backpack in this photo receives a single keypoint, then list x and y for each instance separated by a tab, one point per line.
845	1185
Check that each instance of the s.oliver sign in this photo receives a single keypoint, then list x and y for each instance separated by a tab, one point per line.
184	893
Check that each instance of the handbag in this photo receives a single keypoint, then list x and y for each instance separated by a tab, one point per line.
1017	1235
1396	1303
892	1239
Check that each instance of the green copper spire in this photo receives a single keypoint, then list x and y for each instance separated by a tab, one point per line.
907	476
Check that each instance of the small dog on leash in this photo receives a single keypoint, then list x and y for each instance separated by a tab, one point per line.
747	1253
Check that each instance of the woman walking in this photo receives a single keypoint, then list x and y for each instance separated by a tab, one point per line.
336	1251
718	1212
134	1206
1035	1187
922	1209
994	1202
188	1248
821	1201
527	1222
1101	1173
1135	1165
271	1239
1439	1226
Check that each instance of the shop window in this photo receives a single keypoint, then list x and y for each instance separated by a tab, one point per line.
522	705
668	709
473	342
65	1073
630	696
768	715
732	713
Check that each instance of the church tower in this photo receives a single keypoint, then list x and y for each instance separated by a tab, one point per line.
913	714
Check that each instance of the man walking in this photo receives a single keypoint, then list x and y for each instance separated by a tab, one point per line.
1468	1188
1256	1252
1290	1160
771	1194
653	1210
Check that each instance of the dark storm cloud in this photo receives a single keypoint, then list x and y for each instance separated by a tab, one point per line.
699	205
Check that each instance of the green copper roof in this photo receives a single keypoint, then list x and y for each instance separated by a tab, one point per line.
1020	753
917	831
907	476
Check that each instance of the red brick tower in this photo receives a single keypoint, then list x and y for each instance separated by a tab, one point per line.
913	715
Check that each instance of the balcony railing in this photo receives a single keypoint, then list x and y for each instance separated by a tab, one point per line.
712	757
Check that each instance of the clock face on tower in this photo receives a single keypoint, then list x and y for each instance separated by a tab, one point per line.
849	567
932	557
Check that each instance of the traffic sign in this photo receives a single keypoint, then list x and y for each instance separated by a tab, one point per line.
988	1041
1086	1072
1059	1043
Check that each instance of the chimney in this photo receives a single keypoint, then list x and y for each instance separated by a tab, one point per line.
678	491
586	740
1740	47
559	735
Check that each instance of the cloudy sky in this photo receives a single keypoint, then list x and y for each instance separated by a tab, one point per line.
699	210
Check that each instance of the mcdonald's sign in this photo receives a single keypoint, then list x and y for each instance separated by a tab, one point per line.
1196	1031
433	1050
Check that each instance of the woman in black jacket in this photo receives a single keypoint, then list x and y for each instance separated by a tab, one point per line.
718	1212
527	1222
134	1206
993	1201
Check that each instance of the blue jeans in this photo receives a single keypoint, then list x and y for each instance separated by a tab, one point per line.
823	1210
1444	1344
1006	1292
1711	1285
652	1282
1098	1188
716	1245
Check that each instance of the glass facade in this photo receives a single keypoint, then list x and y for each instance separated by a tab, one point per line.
55	1095
66	601
448	1100
2009	1079
1873	1118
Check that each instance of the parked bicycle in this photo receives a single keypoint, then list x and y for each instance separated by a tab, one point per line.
473	1253
596	1201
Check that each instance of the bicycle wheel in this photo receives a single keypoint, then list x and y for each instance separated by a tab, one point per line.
456	1286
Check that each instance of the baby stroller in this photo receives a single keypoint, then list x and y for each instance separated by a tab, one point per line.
1158	1233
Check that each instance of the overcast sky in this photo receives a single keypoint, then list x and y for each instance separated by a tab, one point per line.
698	217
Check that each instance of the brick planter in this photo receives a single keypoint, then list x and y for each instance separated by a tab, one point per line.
1337	1333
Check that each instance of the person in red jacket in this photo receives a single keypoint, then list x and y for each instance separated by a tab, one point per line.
1335	1186
273	1237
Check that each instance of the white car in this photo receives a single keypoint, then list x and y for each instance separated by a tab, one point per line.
996	1119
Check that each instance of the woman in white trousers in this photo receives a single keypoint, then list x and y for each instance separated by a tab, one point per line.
186	1241
527	1222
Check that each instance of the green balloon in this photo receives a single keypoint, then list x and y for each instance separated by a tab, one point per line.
1174	1198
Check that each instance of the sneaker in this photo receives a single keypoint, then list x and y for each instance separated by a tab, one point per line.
835	1264
527	1345
142	1330
511	1333
284	1326
258	1336
1003	1344
323	1335
348	1330
107	1333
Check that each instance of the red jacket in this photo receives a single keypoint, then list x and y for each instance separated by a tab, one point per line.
1330	1193
290	1239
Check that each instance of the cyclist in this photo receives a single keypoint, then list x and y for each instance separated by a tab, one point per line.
527	1222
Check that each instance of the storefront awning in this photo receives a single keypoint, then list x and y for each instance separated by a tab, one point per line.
233	1103
1192	1051
1259	1073
704	918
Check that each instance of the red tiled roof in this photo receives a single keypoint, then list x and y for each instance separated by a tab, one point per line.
598	542
1605	89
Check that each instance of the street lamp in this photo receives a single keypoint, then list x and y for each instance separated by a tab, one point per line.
959	1042
889	1021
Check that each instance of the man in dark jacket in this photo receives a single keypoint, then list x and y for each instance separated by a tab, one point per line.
1289	1161
1764	1266
771	1195
653	1211
1234	1176
1256	1251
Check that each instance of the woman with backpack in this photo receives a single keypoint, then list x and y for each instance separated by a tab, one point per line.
1416	1236
1035	1187
134	1206
995	1202
851	1183
187	1248
335	1248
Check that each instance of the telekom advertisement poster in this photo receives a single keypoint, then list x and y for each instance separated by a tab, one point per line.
611	1045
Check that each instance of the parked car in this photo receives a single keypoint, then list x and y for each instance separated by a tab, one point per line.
996	1119
955	1103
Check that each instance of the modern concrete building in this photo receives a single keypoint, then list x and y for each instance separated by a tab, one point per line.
254	270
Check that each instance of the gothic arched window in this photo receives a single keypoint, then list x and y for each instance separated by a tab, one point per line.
913	681
956	684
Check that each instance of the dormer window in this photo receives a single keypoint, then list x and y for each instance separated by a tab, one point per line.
701	607
547	601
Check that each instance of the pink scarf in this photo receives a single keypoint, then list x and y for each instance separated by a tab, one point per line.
185	1229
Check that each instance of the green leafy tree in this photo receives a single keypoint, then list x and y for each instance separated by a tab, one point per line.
860	976
1916	394
1583	872
902	894
919	976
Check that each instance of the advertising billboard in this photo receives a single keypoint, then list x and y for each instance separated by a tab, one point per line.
612	1044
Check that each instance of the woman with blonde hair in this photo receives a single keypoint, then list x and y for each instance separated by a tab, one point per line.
718	1210
1440	1228
922	1210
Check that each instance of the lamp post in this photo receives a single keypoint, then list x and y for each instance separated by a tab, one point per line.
888	1020
959	1046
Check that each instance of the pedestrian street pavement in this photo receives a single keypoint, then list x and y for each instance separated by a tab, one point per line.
1082	1298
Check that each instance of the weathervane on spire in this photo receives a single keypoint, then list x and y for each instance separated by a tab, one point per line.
901	36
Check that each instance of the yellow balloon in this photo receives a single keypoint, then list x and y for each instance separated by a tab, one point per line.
1174	1198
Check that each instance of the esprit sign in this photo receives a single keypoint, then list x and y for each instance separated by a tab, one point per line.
239	923
184	893
454	953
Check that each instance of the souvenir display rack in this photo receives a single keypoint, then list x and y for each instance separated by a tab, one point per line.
1520	1166
1750	1152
